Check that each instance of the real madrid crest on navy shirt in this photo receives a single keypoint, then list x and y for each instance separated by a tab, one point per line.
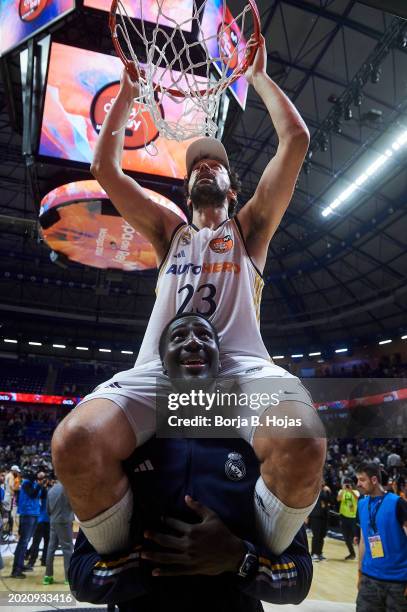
235	468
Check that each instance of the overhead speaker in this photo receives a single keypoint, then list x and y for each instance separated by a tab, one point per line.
397	7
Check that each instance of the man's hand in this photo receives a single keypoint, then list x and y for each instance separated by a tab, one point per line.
129	87
259	66
207	548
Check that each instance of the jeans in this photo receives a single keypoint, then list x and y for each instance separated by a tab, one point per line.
41	532
27	528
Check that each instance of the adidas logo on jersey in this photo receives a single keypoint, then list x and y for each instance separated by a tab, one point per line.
145	466
180	254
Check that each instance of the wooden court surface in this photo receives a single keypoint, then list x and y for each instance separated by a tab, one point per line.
333	588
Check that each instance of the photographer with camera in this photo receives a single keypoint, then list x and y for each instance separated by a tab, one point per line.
41	532
31	491
348	507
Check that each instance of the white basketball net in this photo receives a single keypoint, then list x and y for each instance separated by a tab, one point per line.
201	91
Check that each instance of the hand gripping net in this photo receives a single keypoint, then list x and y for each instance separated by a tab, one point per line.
180	62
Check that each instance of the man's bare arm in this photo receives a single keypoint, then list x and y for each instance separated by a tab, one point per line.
153	221
261	216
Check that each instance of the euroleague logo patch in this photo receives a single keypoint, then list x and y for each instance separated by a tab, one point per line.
235	468
221	245
31	9
140	128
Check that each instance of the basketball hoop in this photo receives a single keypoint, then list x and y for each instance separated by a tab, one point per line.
179	68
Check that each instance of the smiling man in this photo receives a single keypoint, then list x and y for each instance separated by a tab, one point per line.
194	517
212	266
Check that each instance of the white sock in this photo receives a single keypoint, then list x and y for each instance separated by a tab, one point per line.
276	523
110	531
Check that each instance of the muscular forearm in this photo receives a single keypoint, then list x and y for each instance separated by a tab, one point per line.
109	147
286	119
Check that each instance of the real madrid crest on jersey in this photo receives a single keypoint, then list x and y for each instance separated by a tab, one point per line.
221	245
186	237
235	468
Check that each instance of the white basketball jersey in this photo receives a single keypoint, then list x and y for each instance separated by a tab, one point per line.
209	272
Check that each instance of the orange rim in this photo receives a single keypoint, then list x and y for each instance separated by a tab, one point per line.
174	92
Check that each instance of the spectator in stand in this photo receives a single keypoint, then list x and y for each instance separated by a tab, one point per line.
382	584
29	510
41	533
348	505
393	461
9	495
61	518
318	522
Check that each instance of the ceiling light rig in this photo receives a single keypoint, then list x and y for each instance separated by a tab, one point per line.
398	145
352	95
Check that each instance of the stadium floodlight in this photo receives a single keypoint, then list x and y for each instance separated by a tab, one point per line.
35	343
10	340
59	345
103	350
341	350
314	354
297	356
127	352
370	172
278	357
385	341
81	348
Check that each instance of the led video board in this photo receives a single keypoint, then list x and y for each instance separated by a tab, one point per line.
21	19
224	46
171	10
79	222
80	89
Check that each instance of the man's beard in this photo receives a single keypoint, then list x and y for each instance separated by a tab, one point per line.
207	195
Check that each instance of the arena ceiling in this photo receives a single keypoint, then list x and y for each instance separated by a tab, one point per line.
329	281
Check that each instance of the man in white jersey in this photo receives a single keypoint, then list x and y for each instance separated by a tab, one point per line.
212	266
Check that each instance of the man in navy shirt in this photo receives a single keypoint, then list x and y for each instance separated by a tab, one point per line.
382	517
193	528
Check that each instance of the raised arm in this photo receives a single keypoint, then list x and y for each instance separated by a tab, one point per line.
261	216
153	221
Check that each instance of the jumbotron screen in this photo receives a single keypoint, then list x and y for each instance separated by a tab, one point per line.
80	90
171	10
225	45
21	19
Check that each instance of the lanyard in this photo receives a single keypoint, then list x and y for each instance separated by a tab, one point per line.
373	515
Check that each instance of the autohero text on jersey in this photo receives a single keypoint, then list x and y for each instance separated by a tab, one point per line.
208	268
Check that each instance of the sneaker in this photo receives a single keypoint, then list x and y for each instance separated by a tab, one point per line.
315	558
350	557
48	580
28	568
17	575
43	563
321	558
